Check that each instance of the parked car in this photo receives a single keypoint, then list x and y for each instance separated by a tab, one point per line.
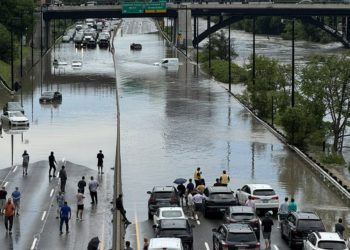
66	39
298	225
14	118
165	243
135	46
13	106
166	213
178	228
324	240
218	199
234	236
50	96
263	195
243	215
162	196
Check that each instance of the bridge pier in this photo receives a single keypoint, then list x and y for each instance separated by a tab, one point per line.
183	26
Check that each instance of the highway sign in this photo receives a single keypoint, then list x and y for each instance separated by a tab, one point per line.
143	7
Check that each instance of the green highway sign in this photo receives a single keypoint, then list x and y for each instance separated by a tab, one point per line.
142	7
132	8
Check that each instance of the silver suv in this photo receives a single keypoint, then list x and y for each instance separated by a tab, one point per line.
324	240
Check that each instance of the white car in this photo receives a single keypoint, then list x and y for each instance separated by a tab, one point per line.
263	196
165	243
14	118
324	240
76	64
164	213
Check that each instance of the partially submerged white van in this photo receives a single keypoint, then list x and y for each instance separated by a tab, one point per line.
165	243
168	62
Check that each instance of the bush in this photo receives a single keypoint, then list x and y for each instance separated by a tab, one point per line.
332	159
219	69
5	44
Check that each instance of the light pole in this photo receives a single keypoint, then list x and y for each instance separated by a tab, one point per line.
186	31
229	58
293	101
254	19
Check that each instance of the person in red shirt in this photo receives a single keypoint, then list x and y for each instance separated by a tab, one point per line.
9	211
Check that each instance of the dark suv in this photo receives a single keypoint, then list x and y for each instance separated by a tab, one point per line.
162	196
234	236
218	199
244	215
298	225
176	228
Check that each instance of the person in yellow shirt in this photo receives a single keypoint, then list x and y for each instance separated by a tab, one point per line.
197	176
224	178
201	187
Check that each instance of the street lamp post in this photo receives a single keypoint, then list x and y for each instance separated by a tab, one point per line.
293	31
229	58
186	31
12	58
253	51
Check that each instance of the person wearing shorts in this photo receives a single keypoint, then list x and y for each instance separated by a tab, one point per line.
80	205
266	226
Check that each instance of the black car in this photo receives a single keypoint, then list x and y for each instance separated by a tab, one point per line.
135	46
218	199
50	97
298	225
234	236
177	228
162	196
245	215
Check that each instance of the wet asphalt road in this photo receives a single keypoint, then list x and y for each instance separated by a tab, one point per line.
172	122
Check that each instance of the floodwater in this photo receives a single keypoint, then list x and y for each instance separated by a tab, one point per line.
172	121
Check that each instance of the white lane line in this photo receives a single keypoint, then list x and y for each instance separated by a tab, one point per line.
51	193
198	222
196	216
276	247
14	170
43	217
34	243
260	222
206	246
6	183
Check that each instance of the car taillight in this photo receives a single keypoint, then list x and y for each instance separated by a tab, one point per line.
254	198
257	245
152	200
275	197
224	246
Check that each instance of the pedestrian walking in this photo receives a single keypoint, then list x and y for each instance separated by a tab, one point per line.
16	198
52	164
250	203
65	215
181	189
266	225
119	205
9	211
145	244
339	228
224	178
3	194
127	246
60	203
197	176
82	185
292	206
93	185
80	204
198	201
100	158
283	210
190	204
63	178
25	162
189	189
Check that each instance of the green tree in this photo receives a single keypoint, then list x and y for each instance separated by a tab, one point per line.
5	45
219	47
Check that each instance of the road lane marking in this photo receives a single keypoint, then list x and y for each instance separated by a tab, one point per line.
52	190
206	245
276	247
137	232
14	170
260	222
6	183
196	216
198	222
34	243
43	217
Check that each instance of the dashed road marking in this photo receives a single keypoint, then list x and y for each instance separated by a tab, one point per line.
260	222
137	232
14	170
51	193
43	217
6	183
276	247
206	246
198	222
34	243
196	216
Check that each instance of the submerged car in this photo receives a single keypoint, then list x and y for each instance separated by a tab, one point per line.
135	46
76	64
50	96
14	118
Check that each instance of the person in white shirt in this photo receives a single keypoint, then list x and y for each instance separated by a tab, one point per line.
250	203
93	184
190	204
198	200
80	204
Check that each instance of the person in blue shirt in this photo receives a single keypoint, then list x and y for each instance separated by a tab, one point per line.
65	215
16	197
292	206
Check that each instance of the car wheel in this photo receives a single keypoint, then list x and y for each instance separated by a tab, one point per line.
150	216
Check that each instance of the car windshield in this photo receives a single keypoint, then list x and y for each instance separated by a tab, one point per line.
332	245
163	195
264	192
173	224
15	114
171	214
243	216
221	196
241	237
310	224
48	94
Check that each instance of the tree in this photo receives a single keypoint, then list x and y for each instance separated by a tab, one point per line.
219	47
5	44
326	81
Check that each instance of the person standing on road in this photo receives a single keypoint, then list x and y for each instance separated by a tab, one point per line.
16	197
217	183
190	204
25	162
9	211
127	246
93	185
224	178
201	187
80	204
63	178
145	244
82	185
250	202
3	194
181	189
100	158
65	215
266	225
189	189
283	210
197	176
292	206
339	228
60	203
52	164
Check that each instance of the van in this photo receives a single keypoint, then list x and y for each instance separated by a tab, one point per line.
165	243
168	62
13	106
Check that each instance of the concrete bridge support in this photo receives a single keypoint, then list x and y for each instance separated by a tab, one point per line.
184	27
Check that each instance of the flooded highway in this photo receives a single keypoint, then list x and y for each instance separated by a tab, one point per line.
172	121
